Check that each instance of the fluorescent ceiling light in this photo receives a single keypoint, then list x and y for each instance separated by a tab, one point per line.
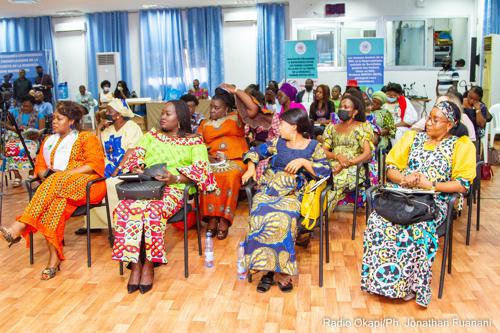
72	12
24	2
149	6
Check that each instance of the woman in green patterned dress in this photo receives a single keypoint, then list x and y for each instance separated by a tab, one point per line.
384	119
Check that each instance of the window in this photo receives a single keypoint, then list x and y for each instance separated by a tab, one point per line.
326	41
449	37
354	30
405	43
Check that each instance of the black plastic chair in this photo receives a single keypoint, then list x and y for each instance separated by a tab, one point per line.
181	216
80	211
448	234
322	223
474	193
381	155
365	184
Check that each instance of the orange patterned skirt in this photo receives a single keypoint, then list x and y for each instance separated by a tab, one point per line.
223	201
54	202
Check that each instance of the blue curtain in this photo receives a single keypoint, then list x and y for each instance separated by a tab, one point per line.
270	43
204	36
107	32
22	34
491	17
162	52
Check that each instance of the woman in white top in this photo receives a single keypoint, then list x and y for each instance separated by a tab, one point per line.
402	110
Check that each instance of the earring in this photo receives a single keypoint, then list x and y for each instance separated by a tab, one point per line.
72	126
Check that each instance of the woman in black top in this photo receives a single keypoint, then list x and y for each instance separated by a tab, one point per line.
321	109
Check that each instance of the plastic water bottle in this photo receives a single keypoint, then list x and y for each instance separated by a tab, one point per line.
209	250
240	263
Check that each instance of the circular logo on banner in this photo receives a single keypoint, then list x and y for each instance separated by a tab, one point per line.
300	48
365	47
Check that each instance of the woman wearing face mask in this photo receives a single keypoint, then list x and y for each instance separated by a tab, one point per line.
383	118
295	160
347	144
118	135
224	135
397	260
402	110
121	90
106	95
140	224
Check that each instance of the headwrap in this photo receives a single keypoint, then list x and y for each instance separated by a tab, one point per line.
289	90
447	109
121	106
380	96
38	94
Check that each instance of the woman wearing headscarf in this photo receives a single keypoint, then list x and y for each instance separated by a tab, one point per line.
118	135
383	118
224	135
397	260
286	97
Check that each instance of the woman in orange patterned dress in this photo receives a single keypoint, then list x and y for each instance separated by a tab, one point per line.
67	160
224	135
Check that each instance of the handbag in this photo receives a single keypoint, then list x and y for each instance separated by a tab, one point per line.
493	158
486	172
142	186
404	208
309	207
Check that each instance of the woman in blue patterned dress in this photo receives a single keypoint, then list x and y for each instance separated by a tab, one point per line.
397	259
295	159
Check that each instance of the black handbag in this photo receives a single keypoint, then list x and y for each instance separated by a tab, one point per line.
404	208
142	186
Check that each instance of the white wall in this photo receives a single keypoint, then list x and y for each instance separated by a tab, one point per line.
71	56
135	52
240	49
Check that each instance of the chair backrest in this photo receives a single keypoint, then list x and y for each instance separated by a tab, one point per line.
495	112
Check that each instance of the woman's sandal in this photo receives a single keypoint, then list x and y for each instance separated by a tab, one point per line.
8	237
17	182
222	234
266	282
286	288
50	272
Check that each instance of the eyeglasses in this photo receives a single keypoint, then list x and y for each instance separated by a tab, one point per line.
435	121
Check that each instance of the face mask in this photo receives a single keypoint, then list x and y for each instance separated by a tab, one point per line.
391	99
109	118
120	88
38	102
344	115
105	89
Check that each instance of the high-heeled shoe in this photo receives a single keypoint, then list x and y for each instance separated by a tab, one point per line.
8	236
144	288
132	288
50	272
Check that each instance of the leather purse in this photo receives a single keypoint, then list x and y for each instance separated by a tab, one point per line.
142	186
404	208
486	171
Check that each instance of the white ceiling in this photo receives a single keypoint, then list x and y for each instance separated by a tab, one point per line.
50	7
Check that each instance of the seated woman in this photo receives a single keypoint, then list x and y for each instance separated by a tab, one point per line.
397	260
346	144
30	124
321	109
476	110
118	135
401	109
67	161
286	98
295	159
383	119
224	135
140	224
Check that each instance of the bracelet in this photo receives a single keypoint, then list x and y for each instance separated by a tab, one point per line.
178	179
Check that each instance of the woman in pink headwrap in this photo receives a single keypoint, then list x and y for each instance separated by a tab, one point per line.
286	97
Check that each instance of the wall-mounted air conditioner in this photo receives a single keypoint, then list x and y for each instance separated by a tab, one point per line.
70	26
108	67
240	15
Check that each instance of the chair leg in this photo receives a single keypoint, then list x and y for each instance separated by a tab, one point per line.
478	213
355	212
89	258
198	222
469	218
450	253
445	253
32	256
327	237
249	277
320	250
121	267
186	272
111	237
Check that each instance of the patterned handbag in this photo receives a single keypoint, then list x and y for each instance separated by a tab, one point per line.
142	186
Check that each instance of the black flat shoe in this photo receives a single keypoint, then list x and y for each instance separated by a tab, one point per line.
144	288
83	231
286	288
131	288
266	282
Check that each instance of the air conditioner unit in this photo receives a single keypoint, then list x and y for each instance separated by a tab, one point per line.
108	67
243	15
70	26
491	70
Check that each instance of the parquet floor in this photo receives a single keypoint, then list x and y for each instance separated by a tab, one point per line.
213	300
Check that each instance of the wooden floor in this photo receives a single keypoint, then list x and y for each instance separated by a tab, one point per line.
213	300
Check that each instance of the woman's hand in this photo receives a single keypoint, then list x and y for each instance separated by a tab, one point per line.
249	174
220	156
295	165
410	180
343	160
423	182
231	89
139	170
167	177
